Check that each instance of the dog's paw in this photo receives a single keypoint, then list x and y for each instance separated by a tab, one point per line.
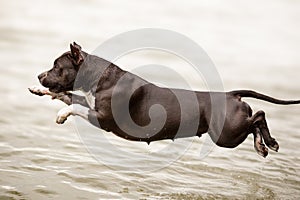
63	114
272	144
39	90
261	149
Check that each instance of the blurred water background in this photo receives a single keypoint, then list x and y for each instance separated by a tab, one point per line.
254	45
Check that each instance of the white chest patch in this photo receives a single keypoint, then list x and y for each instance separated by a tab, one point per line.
90	98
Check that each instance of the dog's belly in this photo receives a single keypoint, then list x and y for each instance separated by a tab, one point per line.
180	114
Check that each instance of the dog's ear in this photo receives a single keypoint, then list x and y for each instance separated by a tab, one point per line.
76	53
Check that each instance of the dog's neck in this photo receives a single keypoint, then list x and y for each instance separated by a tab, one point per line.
100	75
96	74
90	73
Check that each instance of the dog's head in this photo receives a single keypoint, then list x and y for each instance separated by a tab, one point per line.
62	76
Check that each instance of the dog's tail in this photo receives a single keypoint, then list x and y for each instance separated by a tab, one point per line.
256	95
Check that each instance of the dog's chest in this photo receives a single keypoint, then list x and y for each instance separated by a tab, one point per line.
90	99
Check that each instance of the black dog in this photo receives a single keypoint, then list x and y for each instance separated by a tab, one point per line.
124	103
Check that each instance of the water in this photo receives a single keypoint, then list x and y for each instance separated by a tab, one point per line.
253	45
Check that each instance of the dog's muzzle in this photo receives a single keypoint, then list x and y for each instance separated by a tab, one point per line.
43	79
42	76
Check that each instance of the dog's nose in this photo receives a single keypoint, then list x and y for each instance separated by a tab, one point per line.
42	75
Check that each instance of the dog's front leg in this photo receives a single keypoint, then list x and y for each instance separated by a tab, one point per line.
69	98
66	97
39	90
73	109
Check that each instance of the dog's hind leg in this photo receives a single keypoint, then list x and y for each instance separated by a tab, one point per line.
259	121
258	143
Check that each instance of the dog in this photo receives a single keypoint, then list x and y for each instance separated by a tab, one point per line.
121	102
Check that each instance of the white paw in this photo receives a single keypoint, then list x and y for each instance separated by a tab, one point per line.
63	114
39	90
